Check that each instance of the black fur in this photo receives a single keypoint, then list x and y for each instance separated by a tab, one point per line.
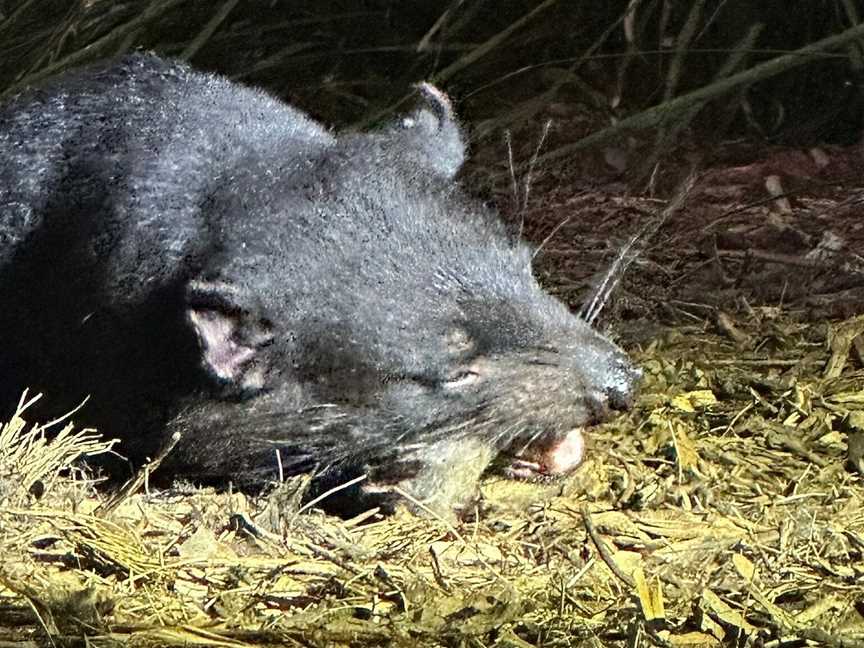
198	256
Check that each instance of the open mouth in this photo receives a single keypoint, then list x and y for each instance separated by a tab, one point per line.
549	458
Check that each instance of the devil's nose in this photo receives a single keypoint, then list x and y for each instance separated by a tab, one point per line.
621	389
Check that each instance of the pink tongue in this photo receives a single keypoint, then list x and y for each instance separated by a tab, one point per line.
553	459
567	454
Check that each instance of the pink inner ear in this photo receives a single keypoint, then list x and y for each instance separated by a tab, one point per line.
222	356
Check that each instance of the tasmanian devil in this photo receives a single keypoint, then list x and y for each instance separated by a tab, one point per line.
197	256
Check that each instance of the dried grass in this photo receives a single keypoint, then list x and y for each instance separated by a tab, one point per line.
721	512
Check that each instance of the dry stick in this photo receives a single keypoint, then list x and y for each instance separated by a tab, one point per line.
209	29
602	549
140	477
308	505
656	114
94	48
550	235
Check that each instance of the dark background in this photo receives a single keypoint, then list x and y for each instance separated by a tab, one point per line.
347	60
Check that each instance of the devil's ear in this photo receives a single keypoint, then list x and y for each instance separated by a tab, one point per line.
430	135
230	338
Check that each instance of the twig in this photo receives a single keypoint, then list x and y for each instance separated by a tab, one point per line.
602	549
140	477
308	505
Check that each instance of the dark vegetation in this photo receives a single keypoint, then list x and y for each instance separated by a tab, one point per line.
346	61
